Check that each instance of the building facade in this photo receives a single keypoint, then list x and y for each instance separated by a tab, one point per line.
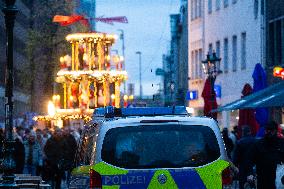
182	82
196	44
21	95
274	51
175	62
233	29
171	63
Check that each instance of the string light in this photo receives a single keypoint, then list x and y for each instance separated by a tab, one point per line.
81	36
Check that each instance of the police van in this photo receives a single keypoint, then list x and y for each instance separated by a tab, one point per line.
133	148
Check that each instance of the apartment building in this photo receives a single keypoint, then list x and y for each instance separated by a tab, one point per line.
233	29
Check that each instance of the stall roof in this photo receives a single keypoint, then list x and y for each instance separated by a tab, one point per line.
272	96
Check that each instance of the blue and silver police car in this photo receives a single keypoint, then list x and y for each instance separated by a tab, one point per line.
150	148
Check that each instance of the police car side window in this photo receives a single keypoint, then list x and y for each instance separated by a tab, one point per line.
87	146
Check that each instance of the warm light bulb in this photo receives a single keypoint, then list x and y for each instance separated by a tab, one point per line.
61	59
125	97
85	57
51	109
131	97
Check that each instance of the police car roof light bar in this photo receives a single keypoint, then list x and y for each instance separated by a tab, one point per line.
110	112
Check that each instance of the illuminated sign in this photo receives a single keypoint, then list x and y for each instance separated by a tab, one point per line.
192	95
218	91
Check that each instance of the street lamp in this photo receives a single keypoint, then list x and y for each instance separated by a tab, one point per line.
112	96
140	82
123	54
211	64
125	98
8	164
211	67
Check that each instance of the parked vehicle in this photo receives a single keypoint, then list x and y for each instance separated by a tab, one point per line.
150	148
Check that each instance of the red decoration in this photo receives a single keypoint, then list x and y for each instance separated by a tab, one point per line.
247	116
111	20
68	20
208	104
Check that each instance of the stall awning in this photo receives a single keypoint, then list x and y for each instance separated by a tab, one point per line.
272	96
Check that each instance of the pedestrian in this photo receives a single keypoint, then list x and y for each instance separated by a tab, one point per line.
2	138
19	154
266	153
33	154
228	142
233	135
70	146
54	150
241	155
40	140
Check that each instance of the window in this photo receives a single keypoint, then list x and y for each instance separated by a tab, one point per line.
234	54
196	64
200	64
271	44
209	6
226	3
195	9
192	65
255	9
218	53
278	42
226	55
86	151
192	10
243	51
218	4
198	8
140	147
210	48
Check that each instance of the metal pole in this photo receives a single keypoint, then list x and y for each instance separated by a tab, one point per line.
123	54
8	164
212	82
140	75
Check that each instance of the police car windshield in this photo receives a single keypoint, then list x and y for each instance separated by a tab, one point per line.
160	146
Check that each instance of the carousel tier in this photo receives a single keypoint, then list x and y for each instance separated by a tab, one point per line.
63	76
64	114
91	36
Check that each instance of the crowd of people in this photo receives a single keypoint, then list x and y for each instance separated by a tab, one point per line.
50	153
46	153
256	158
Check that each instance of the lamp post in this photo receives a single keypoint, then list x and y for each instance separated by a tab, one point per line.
8	164
211	67
123	54
140	82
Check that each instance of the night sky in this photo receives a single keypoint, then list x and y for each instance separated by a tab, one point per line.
148	31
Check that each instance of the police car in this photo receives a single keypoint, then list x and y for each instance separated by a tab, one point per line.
150	148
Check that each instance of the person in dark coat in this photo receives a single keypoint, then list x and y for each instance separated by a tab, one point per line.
19	155
228	142
266	153
54	149
70	146
241	155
